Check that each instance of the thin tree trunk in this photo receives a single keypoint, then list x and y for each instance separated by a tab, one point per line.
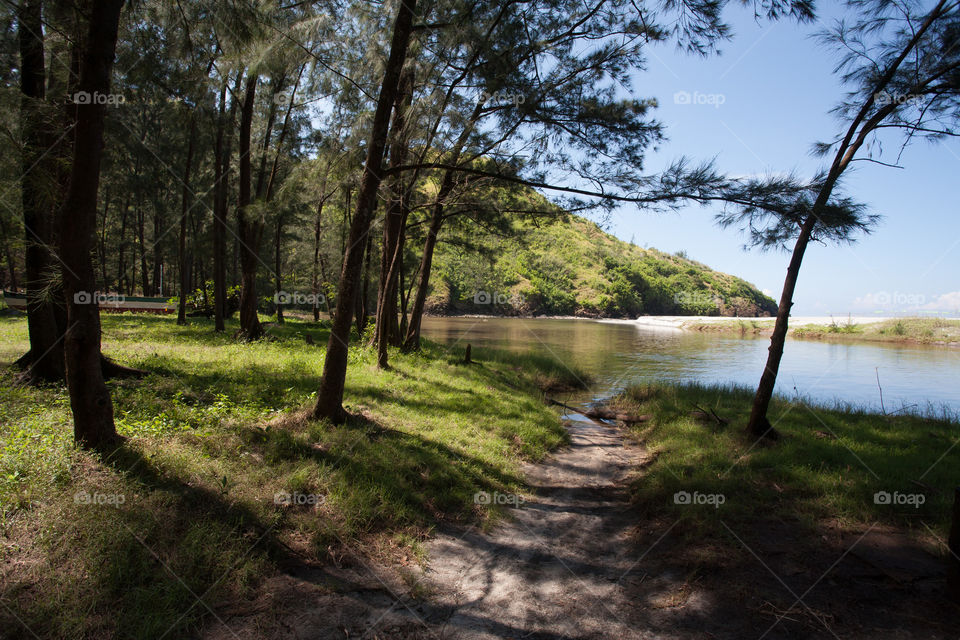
8	256
157	250
759	425
859	129
144	272
315	289
102	245
184	259
45	316
412	341
224	150
330	393
386	312
250	231
89	398
277	267
271	182
362	311
219	220
121	249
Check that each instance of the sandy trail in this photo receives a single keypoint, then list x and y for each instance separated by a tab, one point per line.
562	565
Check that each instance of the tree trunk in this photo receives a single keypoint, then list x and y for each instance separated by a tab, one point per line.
362	311
759	426
182	256
121	249
102	245
277	267
271	182
220	219
315	289
46	318
396	214
157	250
330	393
89	398
412	341
144	272
8	256
250	231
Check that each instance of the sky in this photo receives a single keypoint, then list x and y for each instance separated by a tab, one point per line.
758	107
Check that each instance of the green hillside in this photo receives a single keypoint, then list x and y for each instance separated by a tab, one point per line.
570	266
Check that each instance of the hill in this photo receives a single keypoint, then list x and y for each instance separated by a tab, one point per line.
569	266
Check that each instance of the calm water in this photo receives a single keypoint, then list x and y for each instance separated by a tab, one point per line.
618	353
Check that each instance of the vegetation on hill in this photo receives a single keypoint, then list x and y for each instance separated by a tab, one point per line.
568	265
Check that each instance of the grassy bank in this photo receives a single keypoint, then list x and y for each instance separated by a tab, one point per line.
933	331
223	476
832	465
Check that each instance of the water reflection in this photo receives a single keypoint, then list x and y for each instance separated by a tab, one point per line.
617	353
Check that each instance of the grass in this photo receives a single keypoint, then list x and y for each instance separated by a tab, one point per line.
829	466
122	545
939	331
916	330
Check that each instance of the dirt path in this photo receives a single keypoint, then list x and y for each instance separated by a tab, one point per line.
571	563
562	566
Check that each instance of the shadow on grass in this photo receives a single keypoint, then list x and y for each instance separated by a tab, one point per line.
176	551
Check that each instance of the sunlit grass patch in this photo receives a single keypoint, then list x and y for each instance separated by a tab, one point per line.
223	468
832	463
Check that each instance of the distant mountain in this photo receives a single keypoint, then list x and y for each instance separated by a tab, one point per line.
570	266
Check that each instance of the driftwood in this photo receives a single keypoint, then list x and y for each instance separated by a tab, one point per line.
602	414
702	415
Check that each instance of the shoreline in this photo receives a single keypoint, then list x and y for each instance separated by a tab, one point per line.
926	331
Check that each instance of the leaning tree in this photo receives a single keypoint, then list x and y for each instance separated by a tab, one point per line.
902	62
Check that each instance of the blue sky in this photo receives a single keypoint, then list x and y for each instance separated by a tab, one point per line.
758	107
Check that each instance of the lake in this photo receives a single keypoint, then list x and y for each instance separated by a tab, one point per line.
617	353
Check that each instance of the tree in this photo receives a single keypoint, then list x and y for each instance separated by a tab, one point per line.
330	394
89	398
46	317
904	65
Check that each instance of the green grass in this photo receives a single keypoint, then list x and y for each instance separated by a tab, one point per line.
917	330
914	330
828	466
213	434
